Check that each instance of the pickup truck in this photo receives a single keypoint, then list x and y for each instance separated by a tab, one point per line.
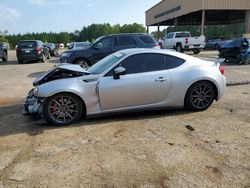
3	52
182	41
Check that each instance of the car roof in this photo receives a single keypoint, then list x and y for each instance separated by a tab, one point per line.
122	34
30	41
134	51
151	50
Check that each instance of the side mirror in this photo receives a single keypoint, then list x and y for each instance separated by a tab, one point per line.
118	72
98	46
245	44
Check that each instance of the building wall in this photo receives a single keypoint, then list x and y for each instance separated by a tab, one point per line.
188	6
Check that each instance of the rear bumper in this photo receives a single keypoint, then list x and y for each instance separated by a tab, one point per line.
192	47
29	57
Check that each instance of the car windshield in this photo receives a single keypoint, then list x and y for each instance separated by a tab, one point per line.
105	63
97	40
82	44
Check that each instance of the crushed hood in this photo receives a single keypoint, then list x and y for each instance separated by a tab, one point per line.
62	71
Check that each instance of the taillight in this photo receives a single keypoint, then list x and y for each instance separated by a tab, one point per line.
222	70
18	50
38	50
156	45
186	40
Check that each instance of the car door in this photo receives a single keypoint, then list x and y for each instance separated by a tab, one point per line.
104	48
170	42
146	82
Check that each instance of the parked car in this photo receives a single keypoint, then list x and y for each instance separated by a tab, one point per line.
31	50
182	41
79	45
3	52
237	51
61	45
216	43
128	80
52	49
106	45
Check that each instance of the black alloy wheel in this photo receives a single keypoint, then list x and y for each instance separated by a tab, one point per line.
200	96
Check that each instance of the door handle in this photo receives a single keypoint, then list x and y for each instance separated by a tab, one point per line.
161	79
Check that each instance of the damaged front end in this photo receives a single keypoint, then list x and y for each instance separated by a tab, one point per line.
34	104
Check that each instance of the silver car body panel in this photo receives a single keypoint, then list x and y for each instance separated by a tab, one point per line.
157	89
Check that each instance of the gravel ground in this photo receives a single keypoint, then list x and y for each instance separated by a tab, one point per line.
170	148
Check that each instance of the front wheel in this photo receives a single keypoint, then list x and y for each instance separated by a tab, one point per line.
179	48
200	96
63	109
83	63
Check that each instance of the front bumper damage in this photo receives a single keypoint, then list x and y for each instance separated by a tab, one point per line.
33	105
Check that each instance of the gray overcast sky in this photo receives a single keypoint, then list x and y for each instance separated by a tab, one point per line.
22	16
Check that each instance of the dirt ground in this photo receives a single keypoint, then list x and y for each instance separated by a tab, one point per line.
170	148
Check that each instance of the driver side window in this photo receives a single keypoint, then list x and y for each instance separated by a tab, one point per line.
144	63
106	43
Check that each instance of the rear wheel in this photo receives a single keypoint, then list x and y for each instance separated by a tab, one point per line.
196	51
63	109
20	61
5	56
83	62
200	96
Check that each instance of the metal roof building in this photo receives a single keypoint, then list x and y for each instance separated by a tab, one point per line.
199	12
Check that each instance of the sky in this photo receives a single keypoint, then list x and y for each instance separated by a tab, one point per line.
22	16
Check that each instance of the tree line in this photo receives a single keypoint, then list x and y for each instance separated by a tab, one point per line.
92	32
89	33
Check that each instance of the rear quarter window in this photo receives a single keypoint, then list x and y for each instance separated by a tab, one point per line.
181	35
126	41
173	62
147	39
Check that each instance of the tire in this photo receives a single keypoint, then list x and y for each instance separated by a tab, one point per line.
179	48
63	109
83	62
196	51
200	96
5	56
20	61
217	47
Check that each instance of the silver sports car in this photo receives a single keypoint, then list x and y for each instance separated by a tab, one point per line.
128	80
